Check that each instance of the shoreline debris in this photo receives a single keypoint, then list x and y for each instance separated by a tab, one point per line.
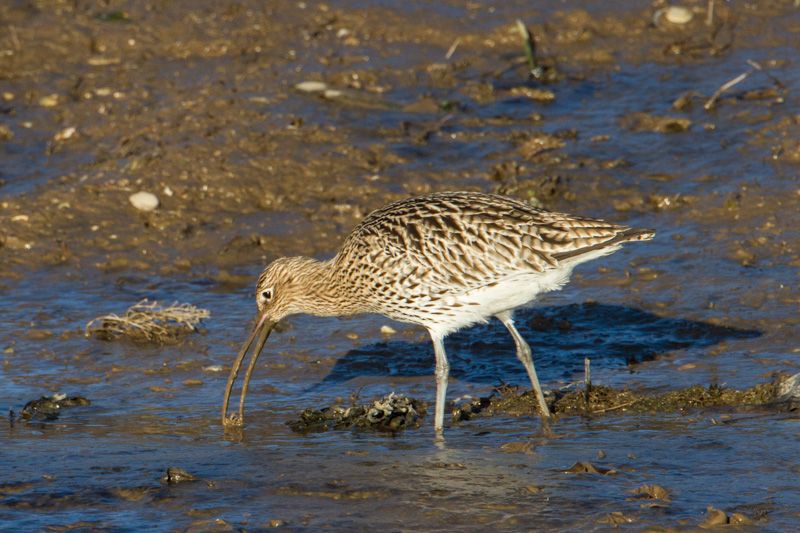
148	321
49	407
391	413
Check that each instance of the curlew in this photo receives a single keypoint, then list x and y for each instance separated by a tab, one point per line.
443	261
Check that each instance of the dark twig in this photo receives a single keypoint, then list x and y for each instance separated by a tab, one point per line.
452	49
755	67
587	379
710	13
778	83
529	45
724	87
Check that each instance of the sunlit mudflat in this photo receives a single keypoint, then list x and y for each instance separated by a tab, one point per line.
197	103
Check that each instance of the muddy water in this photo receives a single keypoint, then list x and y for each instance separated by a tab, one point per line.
195	102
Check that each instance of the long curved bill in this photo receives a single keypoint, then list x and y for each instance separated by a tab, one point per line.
261	331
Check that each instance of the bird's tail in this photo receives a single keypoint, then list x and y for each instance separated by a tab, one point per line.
626	235
634	234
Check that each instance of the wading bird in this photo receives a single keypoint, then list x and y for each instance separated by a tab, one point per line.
443	261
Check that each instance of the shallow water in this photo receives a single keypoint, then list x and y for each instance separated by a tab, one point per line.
712	300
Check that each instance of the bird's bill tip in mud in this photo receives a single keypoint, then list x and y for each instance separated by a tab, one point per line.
261	331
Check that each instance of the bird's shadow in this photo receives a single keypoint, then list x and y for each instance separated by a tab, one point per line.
560	337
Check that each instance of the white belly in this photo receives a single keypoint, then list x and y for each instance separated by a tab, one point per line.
479	305
514	291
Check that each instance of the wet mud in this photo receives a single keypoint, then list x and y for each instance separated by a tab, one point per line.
168	150
781	394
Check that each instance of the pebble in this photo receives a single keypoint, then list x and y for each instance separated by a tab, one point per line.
311	86
388	330
51	100
678	15
65	134
144	201
100	61
539	95
177	475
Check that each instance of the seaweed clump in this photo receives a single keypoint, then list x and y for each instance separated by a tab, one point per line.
391	413
149	322
49	407
783	393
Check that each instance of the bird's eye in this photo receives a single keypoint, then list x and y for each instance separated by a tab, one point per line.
266	295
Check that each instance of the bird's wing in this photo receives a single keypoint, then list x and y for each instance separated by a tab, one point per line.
465	240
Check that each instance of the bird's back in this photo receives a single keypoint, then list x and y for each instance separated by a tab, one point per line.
418	257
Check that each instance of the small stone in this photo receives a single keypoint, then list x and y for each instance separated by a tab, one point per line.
714	518
51	100
5	133
311	86
20	218
677	15
651	492
65	134
388	330
583	467
212	368
99	61
177	475
539	95
8	96
144	201
277	522
525	447
616	518
738	519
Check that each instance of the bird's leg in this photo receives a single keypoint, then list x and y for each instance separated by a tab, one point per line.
442	370
524	355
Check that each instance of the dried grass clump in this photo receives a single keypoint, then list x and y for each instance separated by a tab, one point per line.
149	322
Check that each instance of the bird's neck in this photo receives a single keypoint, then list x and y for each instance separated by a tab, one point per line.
322	293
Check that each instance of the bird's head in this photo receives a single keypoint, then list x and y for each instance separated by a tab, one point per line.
281	290
286	287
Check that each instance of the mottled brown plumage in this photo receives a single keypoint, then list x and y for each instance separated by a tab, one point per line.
443	261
